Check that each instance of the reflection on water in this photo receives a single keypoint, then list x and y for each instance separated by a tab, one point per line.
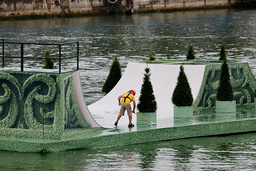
234	152
135	38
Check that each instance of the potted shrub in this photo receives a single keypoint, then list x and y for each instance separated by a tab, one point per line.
147	102
49	63
222	53
113	77
225	99
191	53
152	57
182	96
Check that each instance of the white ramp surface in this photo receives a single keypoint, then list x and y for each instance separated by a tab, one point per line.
163	79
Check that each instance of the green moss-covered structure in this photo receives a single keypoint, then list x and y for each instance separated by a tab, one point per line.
243	84
95	138
38	105
41	112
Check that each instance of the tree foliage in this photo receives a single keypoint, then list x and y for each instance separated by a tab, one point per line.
152	57
113	76
191	53
223	53
182	94
49	63
225	92
147	102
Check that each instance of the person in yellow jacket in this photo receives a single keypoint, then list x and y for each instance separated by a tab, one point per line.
127	98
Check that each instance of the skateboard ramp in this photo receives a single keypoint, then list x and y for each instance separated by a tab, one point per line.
163	79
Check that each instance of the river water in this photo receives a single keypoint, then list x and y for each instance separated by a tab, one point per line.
135	38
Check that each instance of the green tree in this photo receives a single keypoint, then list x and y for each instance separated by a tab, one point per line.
225	92
49	63
182	94
152	57
113	76
191	54
147	102
223	53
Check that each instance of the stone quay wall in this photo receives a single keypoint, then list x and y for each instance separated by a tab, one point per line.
56	7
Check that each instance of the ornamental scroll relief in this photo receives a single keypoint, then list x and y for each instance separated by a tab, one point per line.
29	105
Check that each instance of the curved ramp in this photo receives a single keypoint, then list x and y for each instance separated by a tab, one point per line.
81	103
163	79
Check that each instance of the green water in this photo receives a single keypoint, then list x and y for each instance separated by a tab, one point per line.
234	152
135	38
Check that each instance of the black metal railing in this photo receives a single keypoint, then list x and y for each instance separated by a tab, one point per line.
18	52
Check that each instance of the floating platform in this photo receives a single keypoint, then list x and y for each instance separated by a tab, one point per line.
46	112
74	139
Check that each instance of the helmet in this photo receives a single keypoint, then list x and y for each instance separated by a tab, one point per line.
132	90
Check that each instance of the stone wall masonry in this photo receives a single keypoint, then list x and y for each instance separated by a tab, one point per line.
28	7
48	7
170	4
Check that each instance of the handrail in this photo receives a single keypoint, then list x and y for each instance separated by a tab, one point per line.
18	57
59	46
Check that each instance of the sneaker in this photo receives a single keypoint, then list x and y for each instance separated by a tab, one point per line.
115	124
130	125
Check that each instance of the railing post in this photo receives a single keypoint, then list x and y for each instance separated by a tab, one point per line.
2	52
21	55
59	58
77	51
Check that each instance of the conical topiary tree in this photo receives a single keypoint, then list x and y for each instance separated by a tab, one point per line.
191	54
152	57
147	102
182	94
49	63
225	92
113	77
223	53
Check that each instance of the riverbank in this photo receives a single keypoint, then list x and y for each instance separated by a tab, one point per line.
100	13
21	11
